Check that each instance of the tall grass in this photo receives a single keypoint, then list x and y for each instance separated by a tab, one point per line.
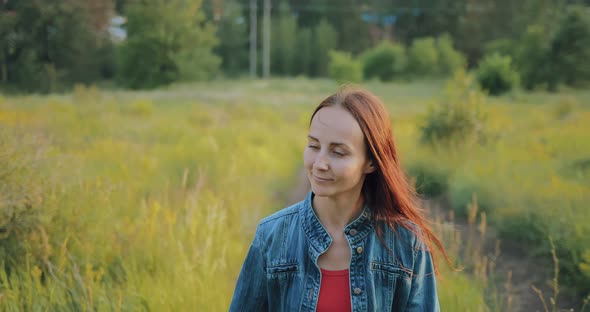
148	200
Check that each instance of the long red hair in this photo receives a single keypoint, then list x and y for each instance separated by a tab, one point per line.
391	197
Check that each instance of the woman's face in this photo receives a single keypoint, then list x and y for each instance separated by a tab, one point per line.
336	157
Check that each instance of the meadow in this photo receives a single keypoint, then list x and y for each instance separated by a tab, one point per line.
125	201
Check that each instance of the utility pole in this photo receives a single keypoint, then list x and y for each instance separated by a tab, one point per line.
266	40
253	42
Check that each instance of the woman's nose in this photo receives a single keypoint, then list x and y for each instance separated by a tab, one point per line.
321	163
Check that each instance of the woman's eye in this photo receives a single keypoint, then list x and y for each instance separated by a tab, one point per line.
313	146
338	153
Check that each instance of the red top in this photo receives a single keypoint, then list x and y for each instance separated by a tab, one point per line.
334	291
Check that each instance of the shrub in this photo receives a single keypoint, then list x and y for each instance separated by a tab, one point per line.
343	68
570	49
423	57
166	43
284	50
385	61
462	194
20	197
324	40
458	118
449	59
496	75
502	46
430	181
531	57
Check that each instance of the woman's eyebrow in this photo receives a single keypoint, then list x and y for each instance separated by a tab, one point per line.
333	143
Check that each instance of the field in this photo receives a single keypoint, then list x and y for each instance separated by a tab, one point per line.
126	201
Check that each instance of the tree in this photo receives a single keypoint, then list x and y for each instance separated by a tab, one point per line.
167	40
283	42
324	40
45	44
232	32
570	49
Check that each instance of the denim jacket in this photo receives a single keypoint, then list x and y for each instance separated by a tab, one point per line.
281	271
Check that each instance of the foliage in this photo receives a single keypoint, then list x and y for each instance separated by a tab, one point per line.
430	180
503	46
232	32
284	42
423	57
570	49
449	59
324	40
458	118
21	195
496	75
344	69
386	61
531	57
63	45
167	41
304	57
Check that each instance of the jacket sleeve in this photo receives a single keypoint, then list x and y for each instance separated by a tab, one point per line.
423	295
250	293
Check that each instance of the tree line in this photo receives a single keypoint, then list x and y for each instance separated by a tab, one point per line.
50	45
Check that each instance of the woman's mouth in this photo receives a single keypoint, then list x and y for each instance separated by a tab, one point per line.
320	179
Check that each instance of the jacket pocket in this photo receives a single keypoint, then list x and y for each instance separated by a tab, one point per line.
391	269
282	270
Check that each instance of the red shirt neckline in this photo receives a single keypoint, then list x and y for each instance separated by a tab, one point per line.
334	272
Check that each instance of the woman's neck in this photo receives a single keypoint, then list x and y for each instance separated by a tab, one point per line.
337	212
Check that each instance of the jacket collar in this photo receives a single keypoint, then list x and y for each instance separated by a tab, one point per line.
317	234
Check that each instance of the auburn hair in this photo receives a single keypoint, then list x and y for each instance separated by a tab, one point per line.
389	194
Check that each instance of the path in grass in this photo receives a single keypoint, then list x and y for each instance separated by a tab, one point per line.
512	259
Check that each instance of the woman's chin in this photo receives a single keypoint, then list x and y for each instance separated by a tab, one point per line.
321	191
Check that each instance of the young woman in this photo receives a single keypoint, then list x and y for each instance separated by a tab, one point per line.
359	241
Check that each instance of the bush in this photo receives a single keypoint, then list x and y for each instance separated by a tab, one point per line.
502	46
462	195
423	57
166	43
304	57
430	181
20	193
458	118
385	61
531	57
496	75
343	68
324	40
284	42
570	49
449	59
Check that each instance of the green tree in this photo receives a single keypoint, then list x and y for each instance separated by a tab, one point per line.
423	57
449	59
283	41
531	57
385	61
46	44
570	49
324	40
344	68
496	74
166	41
232	32
302	62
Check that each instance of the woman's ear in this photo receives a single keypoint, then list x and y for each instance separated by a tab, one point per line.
370	167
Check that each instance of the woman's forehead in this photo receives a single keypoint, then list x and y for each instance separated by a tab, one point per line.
335	124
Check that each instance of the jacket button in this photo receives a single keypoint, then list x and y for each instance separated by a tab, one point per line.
352	232
357	291
359	250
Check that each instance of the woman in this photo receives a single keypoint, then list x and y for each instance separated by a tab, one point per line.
358	242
